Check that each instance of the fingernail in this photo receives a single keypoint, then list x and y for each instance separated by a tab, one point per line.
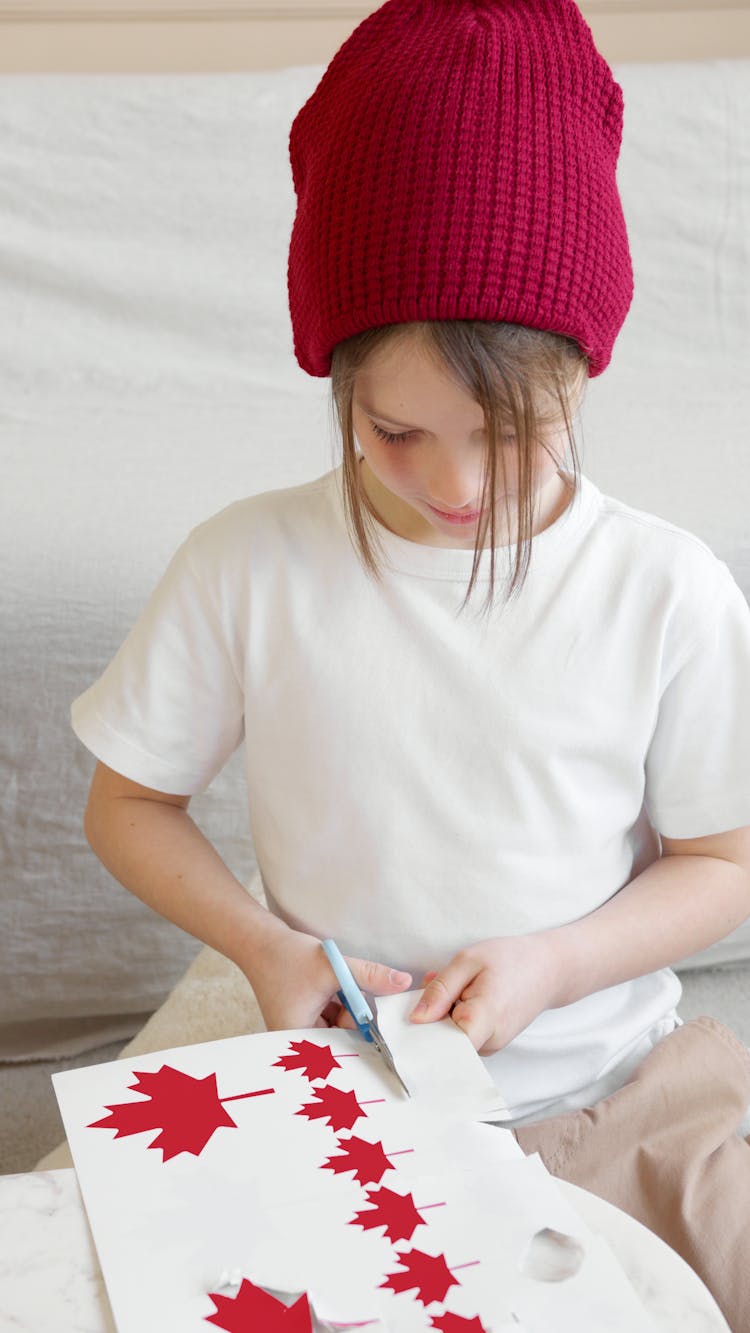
398	978
420	1008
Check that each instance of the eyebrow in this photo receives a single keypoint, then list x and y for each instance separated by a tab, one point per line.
391	420
403	425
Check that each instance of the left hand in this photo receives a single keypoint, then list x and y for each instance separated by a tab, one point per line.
494	989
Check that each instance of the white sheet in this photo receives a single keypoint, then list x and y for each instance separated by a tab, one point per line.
147	378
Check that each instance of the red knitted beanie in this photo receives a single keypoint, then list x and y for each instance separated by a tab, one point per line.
457	160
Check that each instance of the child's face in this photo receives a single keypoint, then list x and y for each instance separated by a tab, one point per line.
438	466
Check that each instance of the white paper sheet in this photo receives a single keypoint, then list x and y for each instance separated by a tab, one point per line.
261	1198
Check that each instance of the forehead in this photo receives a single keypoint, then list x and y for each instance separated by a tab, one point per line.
406	382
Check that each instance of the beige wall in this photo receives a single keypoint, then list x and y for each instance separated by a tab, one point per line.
194	35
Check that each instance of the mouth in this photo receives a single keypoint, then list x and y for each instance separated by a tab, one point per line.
460	518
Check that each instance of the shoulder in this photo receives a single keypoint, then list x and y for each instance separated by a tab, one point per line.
666	562
634	529
259	525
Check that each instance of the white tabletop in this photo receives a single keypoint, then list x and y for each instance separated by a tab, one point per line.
50	1278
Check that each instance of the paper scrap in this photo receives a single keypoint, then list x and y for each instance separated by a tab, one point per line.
437	1062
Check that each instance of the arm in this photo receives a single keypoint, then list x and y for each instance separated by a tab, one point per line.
148	841
695	894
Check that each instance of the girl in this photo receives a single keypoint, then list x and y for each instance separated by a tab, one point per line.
536	806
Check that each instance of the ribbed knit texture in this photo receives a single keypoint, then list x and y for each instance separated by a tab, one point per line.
457	160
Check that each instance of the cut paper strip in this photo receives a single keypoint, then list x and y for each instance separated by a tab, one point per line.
254	1309
187	1110
437	1062
313	1060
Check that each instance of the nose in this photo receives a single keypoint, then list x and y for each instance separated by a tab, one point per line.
454	485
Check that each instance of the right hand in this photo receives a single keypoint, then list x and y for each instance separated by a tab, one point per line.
295	985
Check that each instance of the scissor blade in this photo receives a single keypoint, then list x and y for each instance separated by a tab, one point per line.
384	1049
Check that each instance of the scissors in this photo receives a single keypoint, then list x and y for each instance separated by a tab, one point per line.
352	998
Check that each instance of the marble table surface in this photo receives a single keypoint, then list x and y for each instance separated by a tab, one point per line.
50	1277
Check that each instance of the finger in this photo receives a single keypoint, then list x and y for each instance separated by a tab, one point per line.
428	977
445	988
377	978
331	1012
474	1017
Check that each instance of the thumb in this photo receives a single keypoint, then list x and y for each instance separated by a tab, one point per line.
377	978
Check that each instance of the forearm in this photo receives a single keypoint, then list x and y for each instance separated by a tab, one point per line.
677	906
158	852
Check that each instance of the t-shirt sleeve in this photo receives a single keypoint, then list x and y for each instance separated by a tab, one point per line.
168	711
698	762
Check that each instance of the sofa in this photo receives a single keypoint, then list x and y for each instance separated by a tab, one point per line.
148	380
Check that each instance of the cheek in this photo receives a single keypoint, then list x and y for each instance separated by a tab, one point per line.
390	463
400	463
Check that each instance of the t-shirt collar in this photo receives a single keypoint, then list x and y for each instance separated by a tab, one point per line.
441	562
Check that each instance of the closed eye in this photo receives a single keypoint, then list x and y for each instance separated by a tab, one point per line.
393	438
388	435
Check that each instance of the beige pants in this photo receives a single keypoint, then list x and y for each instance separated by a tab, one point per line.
665	1149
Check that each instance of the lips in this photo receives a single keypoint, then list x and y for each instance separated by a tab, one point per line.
459	517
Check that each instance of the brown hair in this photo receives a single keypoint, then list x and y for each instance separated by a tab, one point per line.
506	368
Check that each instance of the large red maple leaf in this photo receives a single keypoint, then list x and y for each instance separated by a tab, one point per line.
252	1310
396	1212
367	1160
315	1061
455	1323
429	1273
187	1110
340	1109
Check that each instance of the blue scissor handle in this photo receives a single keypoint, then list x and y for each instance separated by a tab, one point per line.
350	995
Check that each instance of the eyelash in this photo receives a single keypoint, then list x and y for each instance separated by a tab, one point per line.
387	435
399	439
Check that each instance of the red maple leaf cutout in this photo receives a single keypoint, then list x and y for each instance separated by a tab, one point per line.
367	1160
396	1212
252	1310
315	1061
455	1323
429	1273
187	1110
340	1109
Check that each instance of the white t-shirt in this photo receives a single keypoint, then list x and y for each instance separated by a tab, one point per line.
419	781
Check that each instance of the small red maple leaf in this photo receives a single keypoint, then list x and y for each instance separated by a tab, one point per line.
187	1110
429	1273
367	1160
315	1061
455	1323
252	1309
396	1212
340	1109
